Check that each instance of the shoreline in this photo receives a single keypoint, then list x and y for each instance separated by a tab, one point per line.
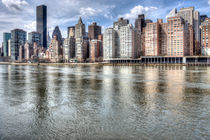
96	64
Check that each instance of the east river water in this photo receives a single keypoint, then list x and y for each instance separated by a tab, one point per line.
104	102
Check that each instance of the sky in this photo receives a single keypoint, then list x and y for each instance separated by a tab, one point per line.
22	13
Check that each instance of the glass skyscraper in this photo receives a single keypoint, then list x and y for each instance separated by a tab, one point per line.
18	38
6	38
41	21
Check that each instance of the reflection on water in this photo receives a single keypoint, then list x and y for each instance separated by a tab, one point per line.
93	102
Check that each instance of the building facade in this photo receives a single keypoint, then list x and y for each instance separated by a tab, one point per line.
205	36
127	42
6	38
178	37
109	49
34	37
18	38
95	50
69	49
55	50
94	31
71	32
41	21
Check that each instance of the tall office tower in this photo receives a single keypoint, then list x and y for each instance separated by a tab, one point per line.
71	32
127	42
95	50
178	37
57	33
121	22
69	49
56	54
205	37
94	31
193	18
81	44
18	38
80	29
34	37
6	38
41	23
140	22
109	49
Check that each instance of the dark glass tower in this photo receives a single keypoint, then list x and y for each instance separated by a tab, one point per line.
41	23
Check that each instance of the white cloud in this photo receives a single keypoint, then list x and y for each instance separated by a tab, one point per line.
209	2
139	9
31	26
88	11
15	5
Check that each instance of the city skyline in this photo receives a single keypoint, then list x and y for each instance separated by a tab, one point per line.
22	13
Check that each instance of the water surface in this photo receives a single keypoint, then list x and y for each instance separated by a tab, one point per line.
104	102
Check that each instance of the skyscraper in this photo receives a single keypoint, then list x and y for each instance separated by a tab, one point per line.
109	49
41	21
57	33
18	38
34	37
71	32
140	22
6	38
94	31
178	37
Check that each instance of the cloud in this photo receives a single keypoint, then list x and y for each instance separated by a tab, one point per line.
139	9
15	5
31	26
89	12
209	2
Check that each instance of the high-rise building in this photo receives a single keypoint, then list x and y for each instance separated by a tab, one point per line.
127	42
94	31
80	29
109	49
156	38
205	37
69	49
6	38
140	22
81	44
34	37
18	38
71	32
57	33
41	21
178	37
55	50
95	50
121	22
193	18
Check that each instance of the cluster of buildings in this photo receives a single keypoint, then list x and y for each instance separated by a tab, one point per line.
185	33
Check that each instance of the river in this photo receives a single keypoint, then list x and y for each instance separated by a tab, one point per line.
104	102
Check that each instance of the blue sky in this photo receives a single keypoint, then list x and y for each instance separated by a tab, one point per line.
64	13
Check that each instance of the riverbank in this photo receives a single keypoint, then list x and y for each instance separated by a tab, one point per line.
100	64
